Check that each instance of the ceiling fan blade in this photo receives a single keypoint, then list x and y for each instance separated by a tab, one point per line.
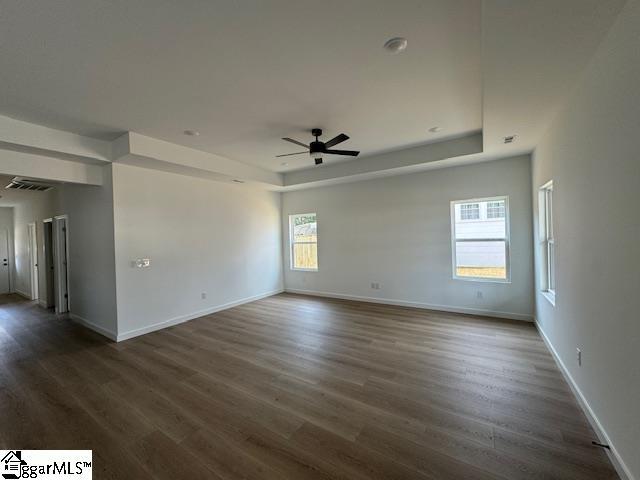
296	142
288	154
336	140
352	153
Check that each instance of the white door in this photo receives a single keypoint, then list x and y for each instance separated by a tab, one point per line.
4	261
48	265
33	260
62	285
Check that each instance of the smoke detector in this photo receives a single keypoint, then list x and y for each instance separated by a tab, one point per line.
396	45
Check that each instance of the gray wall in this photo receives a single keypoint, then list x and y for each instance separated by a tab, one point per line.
591	152
397	232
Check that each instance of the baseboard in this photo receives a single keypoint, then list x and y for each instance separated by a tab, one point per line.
614	456
426	306
23	294
92	326
185	318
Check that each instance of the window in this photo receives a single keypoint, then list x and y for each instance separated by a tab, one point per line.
480	247
495	209
303	233
469	211
545	199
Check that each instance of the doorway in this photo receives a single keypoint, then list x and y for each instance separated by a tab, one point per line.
4	261
56	260
33	259
61	263
48	300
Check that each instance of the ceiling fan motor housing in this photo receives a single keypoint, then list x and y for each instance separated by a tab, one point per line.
317	147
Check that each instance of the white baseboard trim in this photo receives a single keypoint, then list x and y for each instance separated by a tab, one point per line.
23	294
185	318
426	306
614	456
92	326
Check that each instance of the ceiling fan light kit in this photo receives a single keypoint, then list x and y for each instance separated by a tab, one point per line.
317	149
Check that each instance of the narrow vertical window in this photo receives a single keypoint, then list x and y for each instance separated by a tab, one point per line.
303	233
480	239
547	239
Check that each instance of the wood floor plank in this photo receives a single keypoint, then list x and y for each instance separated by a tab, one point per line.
297	387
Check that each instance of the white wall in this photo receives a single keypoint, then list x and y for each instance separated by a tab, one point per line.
30	207
91	254
591	152
201	236
396	231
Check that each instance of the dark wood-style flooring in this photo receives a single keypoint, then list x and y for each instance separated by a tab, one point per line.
295	387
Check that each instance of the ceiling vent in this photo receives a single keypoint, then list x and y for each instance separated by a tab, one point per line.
510	139
20	183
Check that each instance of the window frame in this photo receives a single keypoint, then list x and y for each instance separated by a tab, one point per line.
507	239
547	241
292	243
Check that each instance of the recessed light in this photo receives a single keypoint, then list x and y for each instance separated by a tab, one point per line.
191	133
510	138
396	45
435	129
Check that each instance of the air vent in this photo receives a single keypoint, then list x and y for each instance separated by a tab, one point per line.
510	139
19	183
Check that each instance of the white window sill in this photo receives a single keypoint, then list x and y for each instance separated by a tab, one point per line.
549	296
304	269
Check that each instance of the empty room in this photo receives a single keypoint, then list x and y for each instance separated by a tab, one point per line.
284	239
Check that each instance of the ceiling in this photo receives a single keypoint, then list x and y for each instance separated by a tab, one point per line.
533	53
245	73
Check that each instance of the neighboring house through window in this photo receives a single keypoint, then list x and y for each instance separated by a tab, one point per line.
469	211
495	209
480	239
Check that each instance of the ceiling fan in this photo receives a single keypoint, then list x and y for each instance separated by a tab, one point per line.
318	149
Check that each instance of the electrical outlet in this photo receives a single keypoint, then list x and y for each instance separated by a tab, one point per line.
203	295
141	263
478	294
375	285
579	356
